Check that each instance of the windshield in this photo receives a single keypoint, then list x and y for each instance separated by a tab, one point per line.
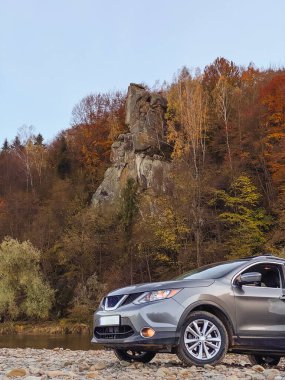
211	271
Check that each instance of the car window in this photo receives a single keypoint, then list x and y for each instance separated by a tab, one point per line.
270	275
213	271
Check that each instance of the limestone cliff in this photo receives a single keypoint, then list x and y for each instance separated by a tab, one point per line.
142	153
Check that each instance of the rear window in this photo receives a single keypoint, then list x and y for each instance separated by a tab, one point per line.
211	271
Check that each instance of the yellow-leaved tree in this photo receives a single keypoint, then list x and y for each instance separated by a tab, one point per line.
23	291
188	127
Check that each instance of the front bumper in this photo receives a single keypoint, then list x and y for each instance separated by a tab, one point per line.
162	316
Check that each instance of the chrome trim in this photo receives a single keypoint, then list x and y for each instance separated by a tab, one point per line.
137	300
116	306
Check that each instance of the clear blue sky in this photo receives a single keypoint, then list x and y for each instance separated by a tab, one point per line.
54	52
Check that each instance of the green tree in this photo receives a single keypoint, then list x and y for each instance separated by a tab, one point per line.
158	238
128	212
129	206
243	219
23	291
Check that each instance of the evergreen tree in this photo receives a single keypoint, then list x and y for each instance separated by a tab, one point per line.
128	212
16	143
5	146
64	164
39	140
129	207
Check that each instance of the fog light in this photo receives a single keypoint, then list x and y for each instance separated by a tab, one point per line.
147	332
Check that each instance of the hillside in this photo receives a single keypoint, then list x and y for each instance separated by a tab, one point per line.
149	184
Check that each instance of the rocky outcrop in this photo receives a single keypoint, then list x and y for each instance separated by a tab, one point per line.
145	119
143	152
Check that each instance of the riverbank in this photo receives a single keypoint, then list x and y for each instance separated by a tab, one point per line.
63	326
31	364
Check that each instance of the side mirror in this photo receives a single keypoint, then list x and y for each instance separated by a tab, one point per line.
249	278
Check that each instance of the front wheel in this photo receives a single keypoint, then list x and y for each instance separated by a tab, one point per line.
265	360
135	356
203	340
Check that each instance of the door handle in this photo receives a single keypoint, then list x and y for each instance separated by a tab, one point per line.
282	298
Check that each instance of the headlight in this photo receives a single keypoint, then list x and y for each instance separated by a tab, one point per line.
157	295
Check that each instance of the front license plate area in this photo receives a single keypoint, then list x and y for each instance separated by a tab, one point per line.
110	320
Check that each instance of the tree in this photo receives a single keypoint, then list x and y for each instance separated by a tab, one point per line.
128	212
17	143
272	126
221	80
22	147
64	162
224	96
86	295
94	108
96	121
243	220
80	246
188	128
272	97
39	140
221	67
5	146
23	291
159	236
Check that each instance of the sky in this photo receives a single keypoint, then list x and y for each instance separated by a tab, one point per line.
55	52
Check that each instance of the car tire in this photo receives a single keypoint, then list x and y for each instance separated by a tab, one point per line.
203	340
135	356
264	360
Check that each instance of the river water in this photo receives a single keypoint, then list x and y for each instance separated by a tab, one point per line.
73	342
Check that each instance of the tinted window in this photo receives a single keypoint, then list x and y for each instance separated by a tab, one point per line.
212	271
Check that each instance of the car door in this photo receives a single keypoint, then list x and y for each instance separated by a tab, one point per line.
260	309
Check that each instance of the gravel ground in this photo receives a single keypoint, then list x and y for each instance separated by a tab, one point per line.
32	364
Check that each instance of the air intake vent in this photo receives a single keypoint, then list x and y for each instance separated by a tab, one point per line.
113	332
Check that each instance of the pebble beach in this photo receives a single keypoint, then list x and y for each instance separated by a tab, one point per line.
58	363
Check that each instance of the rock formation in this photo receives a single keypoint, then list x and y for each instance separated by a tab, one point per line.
142	153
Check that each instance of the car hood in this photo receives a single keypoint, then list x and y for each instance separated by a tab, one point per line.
141	288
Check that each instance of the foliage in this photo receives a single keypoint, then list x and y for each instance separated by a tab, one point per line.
86	295
188	123
273	123
129	206
23	291
245	223
225	129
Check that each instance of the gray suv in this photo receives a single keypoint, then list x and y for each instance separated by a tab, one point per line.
235	306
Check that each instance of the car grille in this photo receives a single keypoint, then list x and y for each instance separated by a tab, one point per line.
113	332
112	302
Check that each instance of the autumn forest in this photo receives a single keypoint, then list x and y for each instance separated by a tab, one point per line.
225	132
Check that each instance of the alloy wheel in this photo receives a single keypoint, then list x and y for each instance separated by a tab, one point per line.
202	339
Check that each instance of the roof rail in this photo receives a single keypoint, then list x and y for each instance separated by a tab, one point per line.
262	256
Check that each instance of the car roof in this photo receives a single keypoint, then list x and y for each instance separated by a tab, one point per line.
263	258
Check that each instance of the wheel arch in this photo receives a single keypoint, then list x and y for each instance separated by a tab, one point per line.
214	309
